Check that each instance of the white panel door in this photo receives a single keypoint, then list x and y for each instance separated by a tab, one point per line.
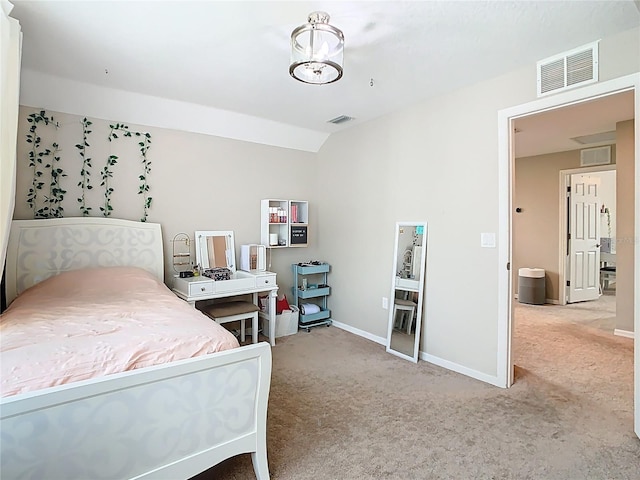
584	239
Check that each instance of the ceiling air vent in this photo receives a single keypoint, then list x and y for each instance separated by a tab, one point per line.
602	137
340	119
568	70
595	156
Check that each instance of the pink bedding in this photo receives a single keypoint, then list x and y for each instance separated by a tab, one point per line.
88	323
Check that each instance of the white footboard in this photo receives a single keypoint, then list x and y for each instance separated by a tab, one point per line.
169	421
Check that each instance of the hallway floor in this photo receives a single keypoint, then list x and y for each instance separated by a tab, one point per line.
600	313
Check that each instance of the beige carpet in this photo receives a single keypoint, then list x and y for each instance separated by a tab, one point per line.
342	408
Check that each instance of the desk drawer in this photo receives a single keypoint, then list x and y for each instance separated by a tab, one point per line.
266	280
235	284
200	288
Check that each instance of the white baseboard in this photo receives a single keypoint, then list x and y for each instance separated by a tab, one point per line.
483	377
624	333
360	333
469	372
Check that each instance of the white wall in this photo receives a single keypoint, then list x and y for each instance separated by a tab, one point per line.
627	235
436	161
608	199
198	182
80	98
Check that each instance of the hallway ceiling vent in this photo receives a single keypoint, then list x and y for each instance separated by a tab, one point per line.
340	119
568	70
602	137
595	156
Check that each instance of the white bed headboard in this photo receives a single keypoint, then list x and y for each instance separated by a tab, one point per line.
39	249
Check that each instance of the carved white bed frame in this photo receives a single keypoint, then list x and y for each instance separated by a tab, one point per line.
167	421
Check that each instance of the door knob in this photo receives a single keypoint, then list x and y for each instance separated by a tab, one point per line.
597	245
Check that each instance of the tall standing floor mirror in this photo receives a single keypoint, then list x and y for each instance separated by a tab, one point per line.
407	290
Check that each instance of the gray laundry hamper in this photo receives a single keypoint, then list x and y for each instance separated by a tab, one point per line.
531	286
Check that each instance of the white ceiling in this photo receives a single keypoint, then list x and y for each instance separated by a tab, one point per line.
234	56
553	131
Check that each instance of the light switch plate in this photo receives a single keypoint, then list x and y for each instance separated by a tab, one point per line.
488	240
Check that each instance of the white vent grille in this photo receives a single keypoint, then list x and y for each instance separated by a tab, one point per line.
551	76
602	137
595	156
580	67
340	119
568	70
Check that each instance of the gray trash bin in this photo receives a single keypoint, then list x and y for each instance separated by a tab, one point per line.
531	286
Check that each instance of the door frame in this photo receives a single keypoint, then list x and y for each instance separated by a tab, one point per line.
565	176
506	182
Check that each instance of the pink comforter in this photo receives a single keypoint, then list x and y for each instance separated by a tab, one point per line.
88	323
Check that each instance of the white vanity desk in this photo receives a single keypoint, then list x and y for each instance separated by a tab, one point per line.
217	249
241	283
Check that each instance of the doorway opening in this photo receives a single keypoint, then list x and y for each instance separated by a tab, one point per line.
578	253
507	140
579	279
594	308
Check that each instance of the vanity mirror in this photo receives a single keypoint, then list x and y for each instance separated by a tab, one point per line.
215	249
407	288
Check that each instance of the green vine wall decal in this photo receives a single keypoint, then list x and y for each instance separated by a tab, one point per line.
56	192
106	174
85	171
46	194
43	160
144	144
143	190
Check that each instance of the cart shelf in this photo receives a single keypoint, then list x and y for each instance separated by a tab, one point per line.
316	293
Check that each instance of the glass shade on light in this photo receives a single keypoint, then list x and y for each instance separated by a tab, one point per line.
317	51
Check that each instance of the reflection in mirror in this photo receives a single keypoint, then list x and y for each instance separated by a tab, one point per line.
215	249
405	310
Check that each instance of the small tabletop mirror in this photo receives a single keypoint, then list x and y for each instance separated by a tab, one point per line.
407	288
215	249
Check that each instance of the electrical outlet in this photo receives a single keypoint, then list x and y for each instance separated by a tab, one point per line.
385	303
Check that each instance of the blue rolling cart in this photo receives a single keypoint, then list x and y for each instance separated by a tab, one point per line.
310	287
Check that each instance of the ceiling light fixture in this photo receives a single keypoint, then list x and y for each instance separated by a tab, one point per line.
317	51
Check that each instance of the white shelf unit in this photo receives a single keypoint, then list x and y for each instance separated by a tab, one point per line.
298	223
274	220
288	220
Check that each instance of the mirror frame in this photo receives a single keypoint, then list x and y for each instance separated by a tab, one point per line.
201	246
421	284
